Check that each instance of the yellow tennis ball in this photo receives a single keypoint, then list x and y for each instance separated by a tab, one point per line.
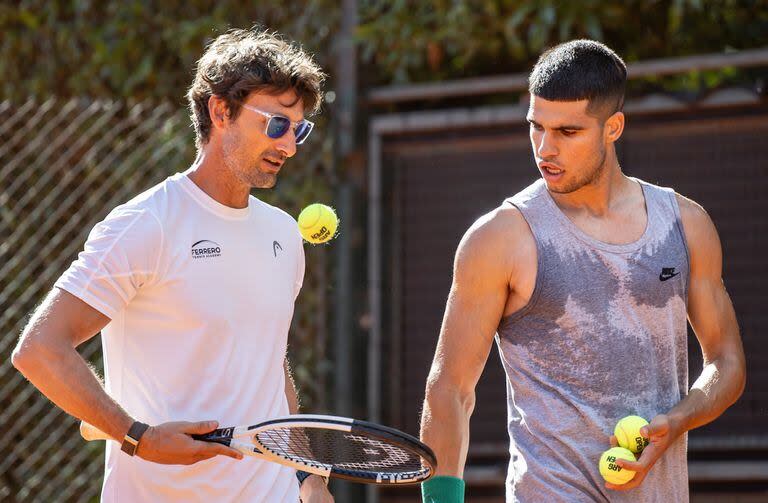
612	472
627	433
318	223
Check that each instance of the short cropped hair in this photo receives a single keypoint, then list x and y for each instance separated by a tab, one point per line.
581	70
242	61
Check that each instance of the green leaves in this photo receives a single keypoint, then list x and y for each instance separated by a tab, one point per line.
147	48
135	48
485	37
478	37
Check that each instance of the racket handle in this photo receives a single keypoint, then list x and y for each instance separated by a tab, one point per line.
90	432
215	435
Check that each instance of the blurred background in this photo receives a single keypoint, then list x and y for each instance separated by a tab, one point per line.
422	131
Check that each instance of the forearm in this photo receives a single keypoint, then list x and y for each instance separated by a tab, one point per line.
62	375
290	389
313	483
720	384
445	428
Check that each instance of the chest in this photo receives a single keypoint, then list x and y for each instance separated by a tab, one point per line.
626	226
563	270
232	274
592	280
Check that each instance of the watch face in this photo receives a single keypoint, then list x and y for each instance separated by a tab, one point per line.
129	445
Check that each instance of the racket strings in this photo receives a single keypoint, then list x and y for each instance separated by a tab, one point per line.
339	449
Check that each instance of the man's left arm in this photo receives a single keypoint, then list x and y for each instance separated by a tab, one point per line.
314	489
290	389
711	315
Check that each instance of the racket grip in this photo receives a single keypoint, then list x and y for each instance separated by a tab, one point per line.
90	432
215	435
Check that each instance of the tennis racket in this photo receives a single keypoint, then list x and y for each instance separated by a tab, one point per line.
326	445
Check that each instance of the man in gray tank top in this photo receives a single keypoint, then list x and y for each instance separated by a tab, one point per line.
585	280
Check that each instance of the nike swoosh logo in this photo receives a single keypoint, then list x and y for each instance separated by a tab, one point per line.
275	246
665	277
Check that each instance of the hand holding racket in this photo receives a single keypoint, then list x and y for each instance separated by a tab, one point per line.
171	442
326	445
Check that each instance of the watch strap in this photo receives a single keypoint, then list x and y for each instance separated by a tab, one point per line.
132	438
302	476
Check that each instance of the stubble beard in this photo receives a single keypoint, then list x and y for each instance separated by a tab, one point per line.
253	176
587	178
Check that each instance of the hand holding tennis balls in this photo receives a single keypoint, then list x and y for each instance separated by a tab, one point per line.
658	436
631	442
628	436
318	223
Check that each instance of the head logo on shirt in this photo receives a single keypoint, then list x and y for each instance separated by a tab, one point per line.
206	249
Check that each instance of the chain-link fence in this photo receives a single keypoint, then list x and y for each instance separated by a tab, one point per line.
63	166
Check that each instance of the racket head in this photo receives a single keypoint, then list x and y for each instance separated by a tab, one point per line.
344	448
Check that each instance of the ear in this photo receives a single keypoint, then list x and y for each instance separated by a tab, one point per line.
614	127
218	112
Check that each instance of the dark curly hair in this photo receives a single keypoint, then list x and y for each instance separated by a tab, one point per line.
242	61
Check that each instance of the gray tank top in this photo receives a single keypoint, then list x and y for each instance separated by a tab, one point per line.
603	336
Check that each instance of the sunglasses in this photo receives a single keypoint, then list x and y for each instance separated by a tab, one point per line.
278	125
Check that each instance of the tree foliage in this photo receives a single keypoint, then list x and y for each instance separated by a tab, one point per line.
443	39
135	49
147	48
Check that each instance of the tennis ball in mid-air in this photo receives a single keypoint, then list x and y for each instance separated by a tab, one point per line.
612	472
627	433
318	223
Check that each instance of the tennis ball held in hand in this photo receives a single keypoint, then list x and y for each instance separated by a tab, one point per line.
318	223
628	436
611	471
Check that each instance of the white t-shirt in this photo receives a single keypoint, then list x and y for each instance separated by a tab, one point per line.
200	297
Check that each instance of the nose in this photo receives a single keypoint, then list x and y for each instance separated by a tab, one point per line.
547	147
286	144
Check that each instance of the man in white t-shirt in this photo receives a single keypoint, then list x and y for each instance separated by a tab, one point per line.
192	284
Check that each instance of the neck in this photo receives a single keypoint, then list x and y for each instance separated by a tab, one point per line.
211	174
599	196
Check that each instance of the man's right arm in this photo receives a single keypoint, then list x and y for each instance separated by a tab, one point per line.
476	303
46	354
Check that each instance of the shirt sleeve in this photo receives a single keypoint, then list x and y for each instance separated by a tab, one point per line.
121	256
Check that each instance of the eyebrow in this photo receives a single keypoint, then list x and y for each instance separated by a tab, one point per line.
558	128
279	114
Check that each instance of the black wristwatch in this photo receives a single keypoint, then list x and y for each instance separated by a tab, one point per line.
302	476
131	439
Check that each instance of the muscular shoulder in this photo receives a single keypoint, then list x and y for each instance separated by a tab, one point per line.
696	221
700	233
496	241
503	225
690	210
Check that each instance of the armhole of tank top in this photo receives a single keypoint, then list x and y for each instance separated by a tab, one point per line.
681	231
511	318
